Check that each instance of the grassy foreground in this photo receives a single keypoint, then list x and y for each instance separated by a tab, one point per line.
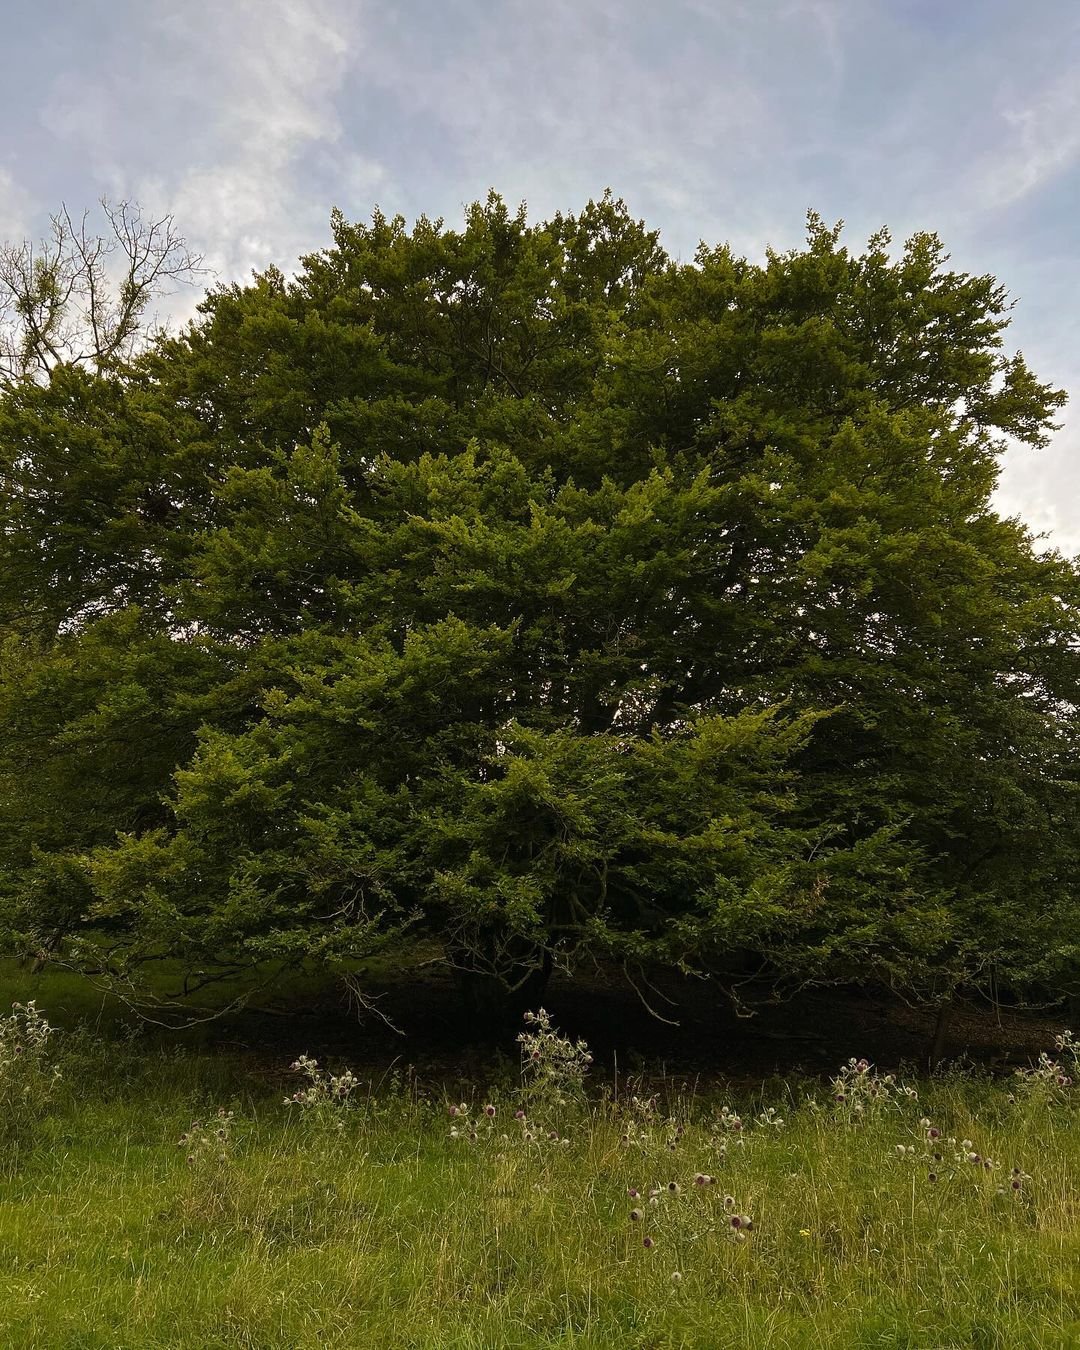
133	1214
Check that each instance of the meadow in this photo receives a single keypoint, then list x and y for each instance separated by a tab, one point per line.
155	1196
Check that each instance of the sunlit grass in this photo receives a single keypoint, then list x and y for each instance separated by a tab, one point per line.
366	1223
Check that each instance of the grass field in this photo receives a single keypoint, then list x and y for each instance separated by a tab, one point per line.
133	1214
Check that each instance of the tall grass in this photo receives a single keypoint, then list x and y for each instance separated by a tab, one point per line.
153	1200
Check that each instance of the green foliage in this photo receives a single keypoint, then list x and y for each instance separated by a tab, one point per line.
520	587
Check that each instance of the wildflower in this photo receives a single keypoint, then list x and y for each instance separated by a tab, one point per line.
676	1278
636	1215
804	1232
932	1177
489	1111
519	1114
647	1242
674	1187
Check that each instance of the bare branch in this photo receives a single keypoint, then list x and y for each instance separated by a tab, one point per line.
80	297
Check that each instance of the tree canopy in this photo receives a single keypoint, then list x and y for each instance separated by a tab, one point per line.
523	588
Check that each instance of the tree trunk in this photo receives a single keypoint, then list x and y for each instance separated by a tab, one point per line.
496	996
940	1039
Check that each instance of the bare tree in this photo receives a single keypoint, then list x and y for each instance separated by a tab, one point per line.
81	297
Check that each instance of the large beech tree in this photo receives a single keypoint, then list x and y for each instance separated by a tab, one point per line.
522	588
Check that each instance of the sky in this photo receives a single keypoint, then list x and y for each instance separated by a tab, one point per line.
721	120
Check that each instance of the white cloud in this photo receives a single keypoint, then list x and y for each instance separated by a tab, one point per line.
1042	487
17	209
240	95
1041	140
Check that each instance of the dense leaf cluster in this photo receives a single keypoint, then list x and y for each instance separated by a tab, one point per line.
521	587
